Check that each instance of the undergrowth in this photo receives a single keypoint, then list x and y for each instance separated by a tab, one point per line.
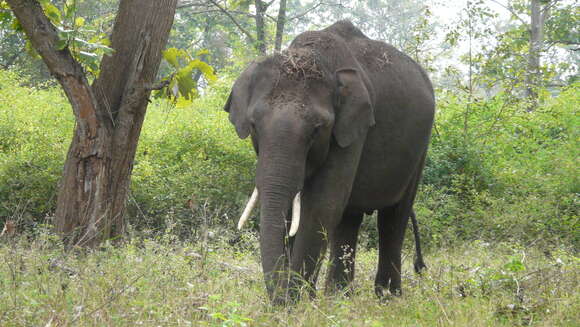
161	281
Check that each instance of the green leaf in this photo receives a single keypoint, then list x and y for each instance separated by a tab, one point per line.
5	16
53	14
515	265
61	44
202	52
89	59
70	9
171	55
79	22
185	83
16	25
182	83
205	69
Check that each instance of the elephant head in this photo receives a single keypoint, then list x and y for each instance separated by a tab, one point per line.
295	105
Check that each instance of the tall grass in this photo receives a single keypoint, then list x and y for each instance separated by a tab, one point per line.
164	282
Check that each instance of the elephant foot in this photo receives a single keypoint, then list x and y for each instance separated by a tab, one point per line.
341	287
419	266
384	290
290	295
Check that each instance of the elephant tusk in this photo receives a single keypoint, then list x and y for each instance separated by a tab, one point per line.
295	215
249	207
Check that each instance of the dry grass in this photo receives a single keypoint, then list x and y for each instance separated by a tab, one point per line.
164	282
300	64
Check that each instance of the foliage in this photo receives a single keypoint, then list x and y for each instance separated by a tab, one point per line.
497	208
181	81
35	128
503	158
507	174
499	49
86	44
185	150
191	152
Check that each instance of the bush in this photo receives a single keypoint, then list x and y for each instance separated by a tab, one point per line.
35	130
507	174
191	153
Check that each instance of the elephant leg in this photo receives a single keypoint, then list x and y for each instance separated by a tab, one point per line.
308	245
392	222
343	241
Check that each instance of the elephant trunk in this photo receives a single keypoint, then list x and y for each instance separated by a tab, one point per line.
280	178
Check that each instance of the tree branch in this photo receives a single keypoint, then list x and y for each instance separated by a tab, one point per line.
305	12
209	11
549	6
268	4
511	10
240	27
280	23
70	74
320	3
184	4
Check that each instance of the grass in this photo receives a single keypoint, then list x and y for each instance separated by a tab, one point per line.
166	282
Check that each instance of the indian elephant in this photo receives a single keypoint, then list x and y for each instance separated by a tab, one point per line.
340	124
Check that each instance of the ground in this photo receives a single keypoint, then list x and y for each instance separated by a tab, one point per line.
162	281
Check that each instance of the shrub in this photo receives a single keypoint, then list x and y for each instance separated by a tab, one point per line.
35	129
191	153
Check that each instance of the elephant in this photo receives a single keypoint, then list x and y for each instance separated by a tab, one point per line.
340	124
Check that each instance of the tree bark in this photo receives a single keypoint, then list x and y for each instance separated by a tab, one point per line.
109	115
280	22
260	26
537	20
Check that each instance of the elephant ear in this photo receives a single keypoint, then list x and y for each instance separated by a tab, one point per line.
239	101
354	110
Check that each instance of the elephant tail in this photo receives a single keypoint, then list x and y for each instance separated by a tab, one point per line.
419	263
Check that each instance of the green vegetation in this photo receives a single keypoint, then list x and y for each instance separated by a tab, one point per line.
507	175
185	153
497	207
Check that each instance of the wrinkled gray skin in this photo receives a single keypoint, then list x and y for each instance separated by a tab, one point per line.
346	120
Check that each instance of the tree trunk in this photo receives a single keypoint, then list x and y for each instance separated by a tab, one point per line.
260	26
109	115
538	17
280	22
